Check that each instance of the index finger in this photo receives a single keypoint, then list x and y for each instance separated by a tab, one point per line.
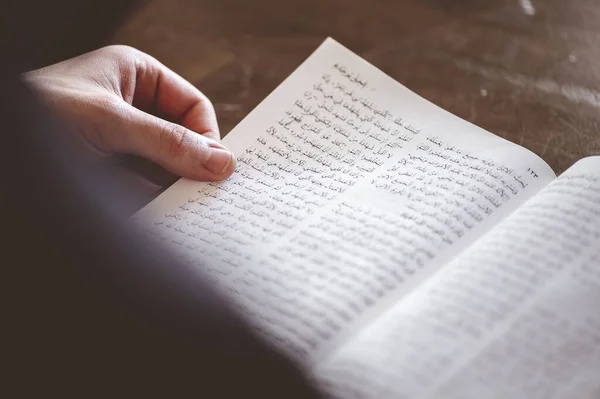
172	97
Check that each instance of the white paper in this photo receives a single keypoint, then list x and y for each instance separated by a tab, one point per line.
514	316
350	191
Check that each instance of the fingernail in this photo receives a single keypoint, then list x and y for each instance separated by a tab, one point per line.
218	161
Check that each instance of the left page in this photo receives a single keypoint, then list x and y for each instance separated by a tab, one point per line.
350	190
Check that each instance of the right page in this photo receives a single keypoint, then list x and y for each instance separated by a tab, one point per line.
515	316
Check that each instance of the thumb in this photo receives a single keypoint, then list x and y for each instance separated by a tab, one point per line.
177	149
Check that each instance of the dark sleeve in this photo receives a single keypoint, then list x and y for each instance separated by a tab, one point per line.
93	310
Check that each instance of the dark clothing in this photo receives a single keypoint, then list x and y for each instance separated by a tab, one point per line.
93	310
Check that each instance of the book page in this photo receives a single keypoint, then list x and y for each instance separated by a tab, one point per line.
349	191
515	316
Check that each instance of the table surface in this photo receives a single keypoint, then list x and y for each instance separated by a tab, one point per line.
523	69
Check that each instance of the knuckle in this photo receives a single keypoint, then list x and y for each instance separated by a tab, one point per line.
207	105
176	140
120	50
130	57
206	101
123	55
107	102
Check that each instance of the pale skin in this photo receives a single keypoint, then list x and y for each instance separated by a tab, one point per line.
120	100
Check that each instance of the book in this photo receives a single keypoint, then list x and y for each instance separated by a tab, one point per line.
395	250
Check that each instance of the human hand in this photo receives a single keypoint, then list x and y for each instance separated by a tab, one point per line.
120	100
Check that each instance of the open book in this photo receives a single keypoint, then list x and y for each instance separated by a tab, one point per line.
395	250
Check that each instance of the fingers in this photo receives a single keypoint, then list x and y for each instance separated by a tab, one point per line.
176	148
162	91
109	85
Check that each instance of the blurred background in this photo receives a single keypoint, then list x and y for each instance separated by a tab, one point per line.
526	70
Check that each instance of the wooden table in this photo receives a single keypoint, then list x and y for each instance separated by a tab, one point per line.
524	70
